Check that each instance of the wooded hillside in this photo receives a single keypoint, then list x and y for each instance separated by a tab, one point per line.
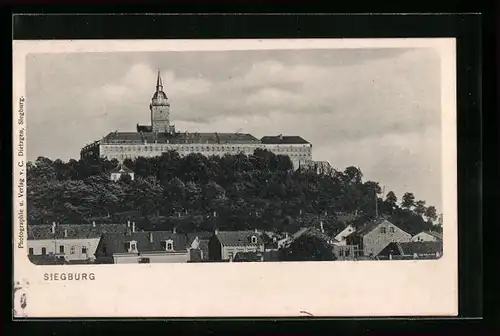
195	192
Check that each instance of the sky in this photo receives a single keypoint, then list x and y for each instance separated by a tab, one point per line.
377	109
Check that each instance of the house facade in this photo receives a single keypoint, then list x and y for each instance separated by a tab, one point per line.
340	238
73	242
375	236
116	173
224	245
428	236
143	247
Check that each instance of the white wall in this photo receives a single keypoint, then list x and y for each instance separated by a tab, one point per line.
298	153
234	250
424	237
52	246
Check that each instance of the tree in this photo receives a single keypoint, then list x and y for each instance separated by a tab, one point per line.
408	200
431	213
308	248
420	208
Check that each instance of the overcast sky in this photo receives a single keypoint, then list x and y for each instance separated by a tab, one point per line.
378	109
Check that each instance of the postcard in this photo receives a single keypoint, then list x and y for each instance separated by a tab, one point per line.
235	178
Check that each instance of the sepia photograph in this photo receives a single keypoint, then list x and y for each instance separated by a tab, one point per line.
221	158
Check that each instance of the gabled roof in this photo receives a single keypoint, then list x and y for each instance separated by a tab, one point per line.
419	248
372	225
239	238
122	169
434	234
115	243
280	139
73	231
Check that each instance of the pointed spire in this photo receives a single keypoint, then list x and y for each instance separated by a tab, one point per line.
159	83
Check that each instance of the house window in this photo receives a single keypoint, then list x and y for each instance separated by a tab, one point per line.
30	251
132	247
254	240
170	246
72	250
347	253
44	251
61	248
84	250
341	253
230	255
383	230
126	246
144	261
391	230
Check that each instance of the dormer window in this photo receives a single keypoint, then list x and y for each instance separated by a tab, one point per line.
254	240
391	230
168	245
383	230
131	246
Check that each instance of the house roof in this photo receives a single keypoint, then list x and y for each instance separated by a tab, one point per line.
372	225
411	248
438	235
73	231
202	235
151	138
121	168
280	139
47	260
247	256
115	243
239	238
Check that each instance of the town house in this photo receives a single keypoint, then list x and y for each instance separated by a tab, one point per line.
73	242
370	239
143	247
198	242
428	236
224	245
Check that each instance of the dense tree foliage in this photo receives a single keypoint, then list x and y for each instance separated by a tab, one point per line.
195	192
308	248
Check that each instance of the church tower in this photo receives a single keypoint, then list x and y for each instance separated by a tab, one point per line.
160	109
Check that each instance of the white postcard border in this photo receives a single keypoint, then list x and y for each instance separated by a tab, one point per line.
343	288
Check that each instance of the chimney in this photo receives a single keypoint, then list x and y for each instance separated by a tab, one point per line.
128	224
321	225
93	223
53	228
151	237
65	233
256	231
286	235
216	231
174	230
133	226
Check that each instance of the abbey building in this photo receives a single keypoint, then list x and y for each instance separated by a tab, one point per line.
160	136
